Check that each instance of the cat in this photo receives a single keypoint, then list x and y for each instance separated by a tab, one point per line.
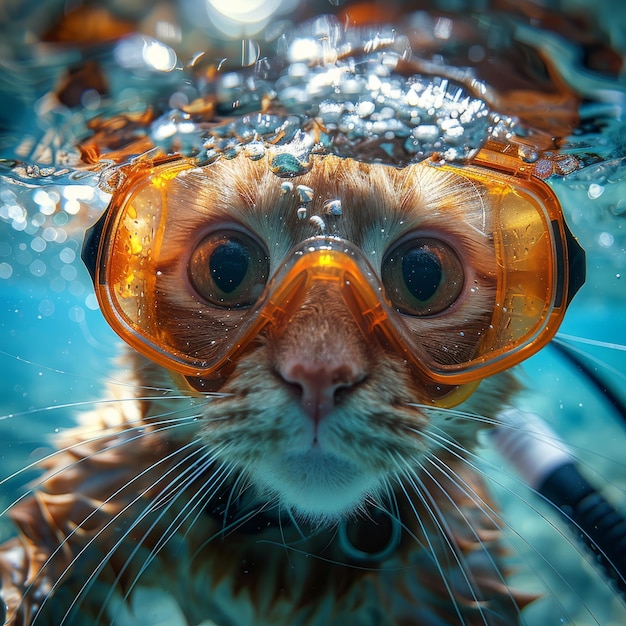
314	482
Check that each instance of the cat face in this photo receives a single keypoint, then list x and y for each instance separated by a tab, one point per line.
318	413
387	214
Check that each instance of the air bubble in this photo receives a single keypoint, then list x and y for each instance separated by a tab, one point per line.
91	302
427	132
333	207
178	100
37	267
318	222
67	255
528	154
476	53
49	233
303	49
38	220
76	314
305	193
38	244
15	212
79	192
365	108
255	150
71	206
287	165
76	288
595	191
6	270
46	200
68	272
46	307
301	212
57	284
619	208
250	52
606	240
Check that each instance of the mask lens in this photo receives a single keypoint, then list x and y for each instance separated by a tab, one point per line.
528	233
160	282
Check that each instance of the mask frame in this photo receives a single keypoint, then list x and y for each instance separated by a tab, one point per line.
540	268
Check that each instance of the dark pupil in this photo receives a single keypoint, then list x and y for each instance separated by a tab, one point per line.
228	265
421	271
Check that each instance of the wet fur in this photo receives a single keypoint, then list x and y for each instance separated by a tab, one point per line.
216	501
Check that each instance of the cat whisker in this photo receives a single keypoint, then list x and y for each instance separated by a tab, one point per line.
606	391
464	455
229	527
323	559
168	424
47	368
138	497
83	404
460	453
200	498
96	510
139	429
451	413
565	346
108	380
237	492
564	337
387	503
296	525
413	479
389	496
104	430
492	516
240	486
238	521
541	436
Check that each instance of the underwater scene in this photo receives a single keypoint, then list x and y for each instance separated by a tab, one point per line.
91	92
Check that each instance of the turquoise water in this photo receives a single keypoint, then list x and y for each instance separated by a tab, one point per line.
56	352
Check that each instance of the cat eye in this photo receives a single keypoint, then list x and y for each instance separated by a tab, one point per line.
422	276
229	269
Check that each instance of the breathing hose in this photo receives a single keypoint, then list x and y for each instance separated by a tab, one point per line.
547	466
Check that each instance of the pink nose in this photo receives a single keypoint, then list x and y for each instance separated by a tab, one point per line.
319	383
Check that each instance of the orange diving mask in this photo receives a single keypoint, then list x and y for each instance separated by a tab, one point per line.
191	296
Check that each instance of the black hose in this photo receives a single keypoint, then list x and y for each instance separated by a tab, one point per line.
545	464
598	525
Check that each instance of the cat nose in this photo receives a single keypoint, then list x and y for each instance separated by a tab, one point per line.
320	382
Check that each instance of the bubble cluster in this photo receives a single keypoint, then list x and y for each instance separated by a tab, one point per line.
41	229
329	89
368	108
